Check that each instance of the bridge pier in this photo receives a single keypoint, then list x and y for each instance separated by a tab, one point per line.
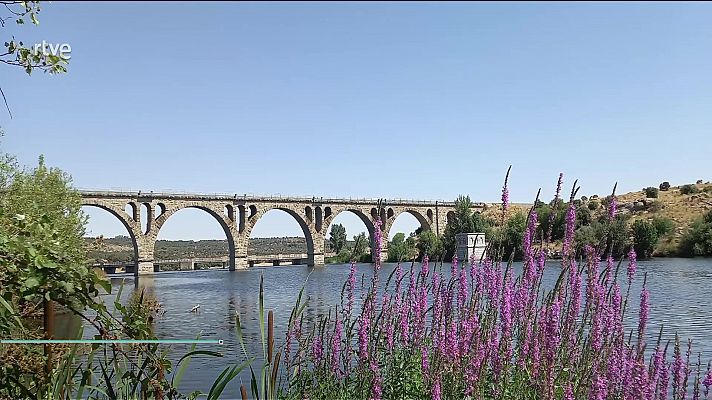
144	268
315	259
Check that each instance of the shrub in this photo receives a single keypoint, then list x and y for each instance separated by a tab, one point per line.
698	240
593	205
689	189
663	225
655	206
645	238
665	186
651	192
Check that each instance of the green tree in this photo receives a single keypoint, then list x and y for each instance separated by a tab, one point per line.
663	225
645	237
698	239
361	245
400	248
429	244
337	237
651	192
42	254
512	236
618	235
689	189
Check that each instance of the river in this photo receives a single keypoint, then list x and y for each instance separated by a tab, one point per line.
679	296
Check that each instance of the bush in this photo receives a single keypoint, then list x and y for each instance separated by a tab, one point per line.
593	205
645	238
698	240
663	225
689	189
665	186
655	206
651	192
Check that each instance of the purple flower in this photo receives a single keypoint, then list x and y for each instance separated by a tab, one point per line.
317	349
643	314
570	229
350	289
505	197
612	208
707	382
377	388
378	243
632	264
556	202
437	392
462	291
425	365
569	392
599	391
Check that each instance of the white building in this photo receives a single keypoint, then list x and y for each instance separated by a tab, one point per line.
469	245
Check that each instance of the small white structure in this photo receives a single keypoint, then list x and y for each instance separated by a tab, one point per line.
470	245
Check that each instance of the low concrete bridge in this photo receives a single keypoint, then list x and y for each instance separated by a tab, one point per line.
189	264
237	215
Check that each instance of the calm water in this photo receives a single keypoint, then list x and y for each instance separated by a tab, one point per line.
680	293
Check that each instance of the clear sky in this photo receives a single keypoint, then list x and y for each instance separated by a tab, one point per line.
400	100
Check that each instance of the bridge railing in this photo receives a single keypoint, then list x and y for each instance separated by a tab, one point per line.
255	197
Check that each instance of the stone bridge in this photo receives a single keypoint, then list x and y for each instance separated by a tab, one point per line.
237	215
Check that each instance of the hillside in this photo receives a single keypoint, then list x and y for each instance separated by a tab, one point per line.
119	248
680	208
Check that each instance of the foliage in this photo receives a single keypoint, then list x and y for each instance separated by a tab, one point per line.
698	240
663	225
42	252
655	206
665	186
651	192
645	237
618	238
361	246
510	238
337	237
18	53
400	249
594	204
429	243
689	189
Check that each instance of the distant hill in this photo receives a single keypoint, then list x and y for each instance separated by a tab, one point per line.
119	248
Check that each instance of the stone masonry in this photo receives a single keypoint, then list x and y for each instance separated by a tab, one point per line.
238	215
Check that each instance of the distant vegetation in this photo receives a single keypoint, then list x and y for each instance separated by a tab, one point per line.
119	248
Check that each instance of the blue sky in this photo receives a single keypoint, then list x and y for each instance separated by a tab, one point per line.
393	100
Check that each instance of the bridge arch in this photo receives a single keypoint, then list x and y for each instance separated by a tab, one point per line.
120	215
362	216
305	226
218	215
